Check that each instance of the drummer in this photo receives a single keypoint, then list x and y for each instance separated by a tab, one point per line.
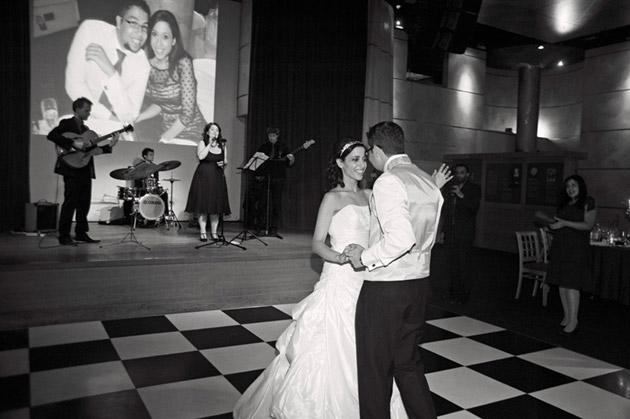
146	185
148	154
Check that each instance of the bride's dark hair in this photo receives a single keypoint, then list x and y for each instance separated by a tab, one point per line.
340	150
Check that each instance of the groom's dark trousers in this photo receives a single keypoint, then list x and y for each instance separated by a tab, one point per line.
389	324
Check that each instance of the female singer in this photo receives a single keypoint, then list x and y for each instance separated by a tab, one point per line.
208	190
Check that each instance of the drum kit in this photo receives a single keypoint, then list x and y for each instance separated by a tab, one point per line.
147	200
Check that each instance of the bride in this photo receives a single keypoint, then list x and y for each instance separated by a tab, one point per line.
314	374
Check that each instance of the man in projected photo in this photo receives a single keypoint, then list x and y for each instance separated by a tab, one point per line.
107	65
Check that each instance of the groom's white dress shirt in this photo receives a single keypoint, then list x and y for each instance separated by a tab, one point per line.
405	209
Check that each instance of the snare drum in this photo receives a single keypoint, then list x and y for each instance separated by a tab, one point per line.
151	207
128	194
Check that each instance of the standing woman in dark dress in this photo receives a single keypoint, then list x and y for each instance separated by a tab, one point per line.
569	257
208	190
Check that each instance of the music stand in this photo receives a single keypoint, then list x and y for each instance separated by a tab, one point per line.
221	242
252	164
272	167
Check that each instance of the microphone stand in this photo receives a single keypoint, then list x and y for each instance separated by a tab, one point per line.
221	242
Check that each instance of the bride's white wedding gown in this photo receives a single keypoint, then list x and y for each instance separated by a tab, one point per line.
315	372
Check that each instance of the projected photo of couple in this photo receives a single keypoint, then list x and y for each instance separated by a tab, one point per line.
149	64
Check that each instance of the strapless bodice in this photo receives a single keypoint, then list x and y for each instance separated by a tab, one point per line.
351	224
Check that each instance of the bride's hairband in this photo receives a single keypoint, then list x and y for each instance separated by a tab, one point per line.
348	145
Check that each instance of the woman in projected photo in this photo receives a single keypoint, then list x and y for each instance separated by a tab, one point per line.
172	87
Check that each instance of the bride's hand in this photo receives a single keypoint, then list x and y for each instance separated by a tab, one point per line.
341	258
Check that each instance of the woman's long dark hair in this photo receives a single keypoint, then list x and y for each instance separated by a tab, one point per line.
178	51
206	137
564	200
340	150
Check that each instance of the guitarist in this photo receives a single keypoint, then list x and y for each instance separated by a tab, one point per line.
279	160
77	181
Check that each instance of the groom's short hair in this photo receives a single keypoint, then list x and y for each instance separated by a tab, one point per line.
388	136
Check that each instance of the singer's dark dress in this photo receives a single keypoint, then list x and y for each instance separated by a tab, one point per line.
208	190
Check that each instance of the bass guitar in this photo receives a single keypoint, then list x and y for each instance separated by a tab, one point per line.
303	147
78	158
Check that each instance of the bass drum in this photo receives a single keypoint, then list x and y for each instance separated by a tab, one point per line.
151	207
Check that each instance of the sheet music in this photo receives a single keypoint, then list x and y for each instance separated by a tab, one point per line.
257	159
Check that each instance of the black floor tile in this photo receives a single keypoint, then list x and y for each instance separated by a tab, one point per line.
511	343
223	416
257	314
434	362
14	392
443	406
433	334
615	382
435	313
163	369
522	407
72	354
219	337
120	405
13	339
242	380
138	326
522	375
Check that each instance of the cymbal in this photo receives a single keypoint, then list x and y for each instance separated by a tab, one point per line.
171	180
140	171
119	174
143	170
169	165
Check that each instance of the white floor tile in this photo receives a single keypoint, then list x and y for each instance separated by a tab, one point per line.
190	399
465	326
465	351
142	346
233	359
14	362
462	414
467	388
71	383
570	363
287	308
201	320
268	331
586	401
66	333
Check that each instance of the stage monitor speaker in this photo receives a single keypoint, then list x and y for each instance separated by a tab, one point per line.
40	216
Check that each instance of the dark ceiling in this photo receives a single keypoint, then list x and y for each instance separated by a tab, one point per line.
504	27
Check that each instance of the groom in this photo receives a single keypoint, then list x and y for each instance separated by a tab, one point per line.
405	210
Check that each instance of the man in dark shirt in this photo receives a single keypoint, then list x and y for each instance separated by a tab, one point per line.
270	175
77	178
461	203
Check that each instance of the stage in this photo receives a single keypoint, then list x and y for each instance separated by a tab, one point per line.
44	283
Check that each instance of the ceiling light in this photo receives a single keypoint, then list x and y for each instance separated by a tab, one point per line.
541	47
560	63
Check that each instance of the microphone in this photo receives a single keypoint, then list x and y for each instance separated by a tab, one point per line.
221	140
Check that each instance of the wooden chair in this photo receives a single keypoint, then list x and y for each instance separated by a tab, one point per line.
531	263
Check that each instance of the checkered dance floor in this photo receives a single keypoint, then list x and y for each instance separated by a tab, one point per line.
195	365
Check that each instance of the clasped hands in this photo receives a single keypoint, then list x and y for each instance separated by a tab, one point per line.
352	252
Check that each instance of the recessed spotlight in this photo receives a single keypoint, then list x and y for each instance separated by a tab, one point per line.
560	63
541	47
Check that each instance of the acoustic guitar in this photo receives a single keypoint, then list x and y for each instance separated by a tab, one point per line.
78	158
